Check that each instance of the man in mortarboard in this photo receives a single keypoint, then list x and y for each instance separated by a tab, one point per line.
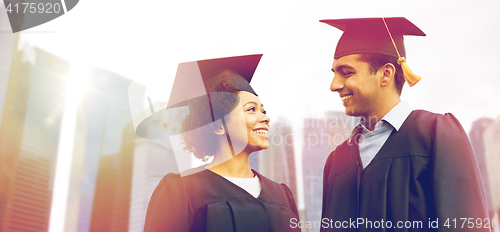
401	169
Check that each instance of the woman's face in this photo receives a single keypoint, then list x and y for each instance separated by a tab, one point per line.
248	124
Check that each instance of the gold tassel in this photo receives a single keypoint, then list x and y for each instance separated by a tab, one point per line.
410	77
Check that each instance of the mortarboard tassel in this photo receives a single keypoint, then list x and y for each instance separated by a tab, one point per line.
409	76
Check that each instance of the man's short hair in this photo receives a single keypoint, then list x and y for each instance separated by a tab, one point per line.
376	61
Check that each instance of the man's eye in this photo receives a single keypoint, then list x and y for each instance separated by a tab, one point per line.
347	74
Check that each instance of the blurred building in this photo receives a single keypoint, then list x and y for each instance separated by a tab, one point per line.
321	136
254	161
153	159
112	196
103	114
476	136
278	161
492	156
29	133
8	42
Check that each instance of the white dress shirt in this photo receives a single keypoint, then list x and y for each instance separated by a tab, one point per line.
370	142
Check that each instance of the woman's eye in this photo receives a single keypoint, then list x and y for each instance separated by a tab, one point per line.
264	112
251	109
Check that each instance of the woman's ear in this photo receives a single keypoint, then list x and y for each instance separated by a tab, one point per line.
218	129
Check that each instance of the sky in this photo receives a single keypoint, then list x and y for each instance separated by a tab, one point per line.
145	43
146	40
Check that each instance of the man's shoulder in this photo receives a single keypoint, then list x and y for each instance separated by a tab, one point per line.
422	116
343	146
424	119
340	151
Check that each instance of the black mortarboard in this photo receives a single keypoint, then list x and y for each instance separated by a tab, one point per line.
376	35
193	82
370	35
195	78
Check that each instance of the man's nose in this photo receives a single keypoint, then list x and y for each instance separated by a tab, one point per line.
337	83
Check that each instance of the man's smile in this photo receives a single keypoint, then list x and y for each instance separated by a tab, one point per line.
345	98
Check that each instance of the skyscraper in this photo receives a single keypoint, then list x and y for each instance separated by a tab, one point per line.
103	113
492	157
322	136
8	42
112	195
278	161
476	136
29	137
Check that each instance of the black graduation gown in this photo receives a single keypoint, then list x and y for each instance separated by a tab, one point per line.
205	201
425	170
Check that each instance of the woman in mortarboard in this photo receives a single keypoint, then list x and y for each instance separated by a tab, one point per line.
227	122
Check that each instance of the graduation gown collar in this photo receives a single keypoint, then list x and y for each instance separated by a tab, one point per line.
268	187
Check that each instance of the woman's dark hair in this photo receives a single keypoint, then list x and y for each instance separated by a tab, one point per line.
203	142
376	61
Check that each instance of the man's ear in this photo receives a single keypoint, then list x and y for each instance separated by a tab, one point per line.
218	129
388	73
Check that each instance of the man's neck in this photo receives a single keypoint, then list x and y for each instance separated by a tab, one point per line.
371	120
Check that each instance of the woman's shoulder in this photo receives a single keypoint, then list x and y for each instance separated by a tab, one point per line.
171	177
279	193
266	181
180	178
192	171
168	208
170	184
278	190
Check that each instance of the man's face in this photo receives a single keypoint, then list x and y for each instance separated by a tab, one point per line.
359	89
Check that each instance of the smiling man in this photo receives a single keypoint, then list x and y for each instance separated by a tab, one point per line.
401	169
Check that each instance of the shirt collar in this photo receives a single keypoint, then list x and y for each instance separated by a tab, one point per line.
395	117
398	114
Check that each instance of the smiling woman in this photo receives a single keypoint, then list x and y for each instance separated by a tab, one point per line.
229	123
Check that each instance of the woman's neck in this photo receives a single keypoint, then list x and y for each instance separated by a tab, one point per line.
225	164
